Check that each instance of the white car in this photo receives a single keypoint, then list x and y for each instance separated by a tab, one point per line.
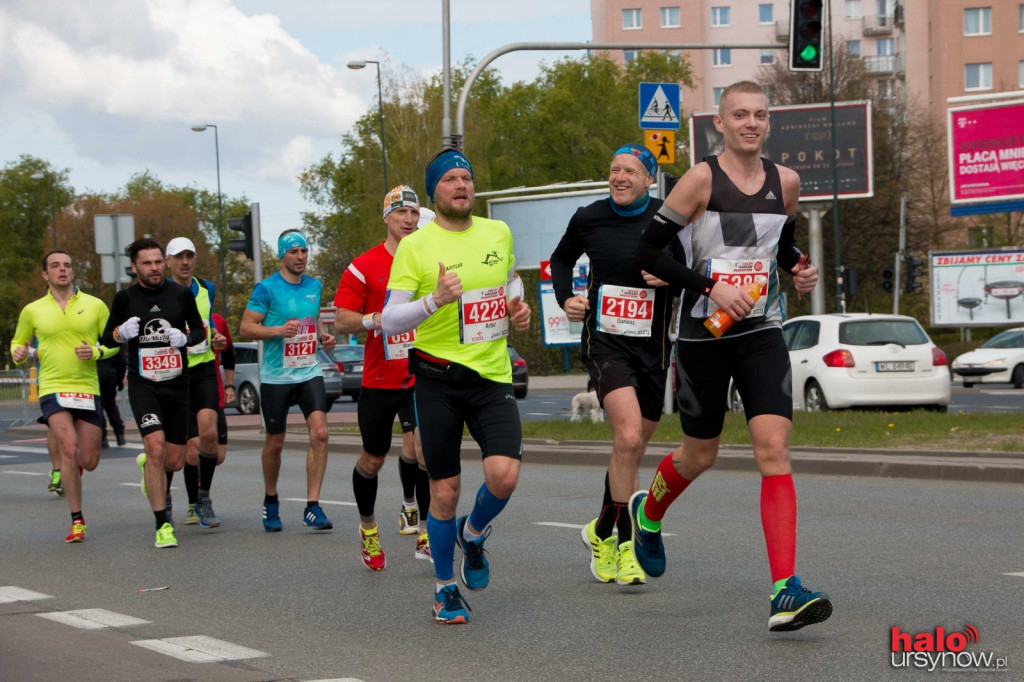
863	360
1000	360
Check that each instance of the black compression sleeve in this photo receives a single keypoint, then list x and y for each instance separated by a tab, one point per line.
650	254
788	254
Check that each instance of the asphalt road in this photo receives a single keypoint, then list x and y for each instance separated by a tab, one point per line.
915	554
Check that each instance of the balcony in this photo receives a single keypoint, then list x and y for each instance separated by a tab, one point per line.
884	64
878	24
782	31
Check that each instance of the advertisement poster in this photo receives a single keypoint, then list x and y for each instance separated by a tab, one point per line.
977	288
986	152
556	327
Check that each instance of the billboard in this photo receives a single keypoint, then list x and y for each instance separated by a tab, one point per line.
986	152
800	138
977	288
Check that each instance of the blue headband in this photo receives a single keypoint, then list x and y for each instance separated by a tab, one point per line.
288	241
448	160
643	154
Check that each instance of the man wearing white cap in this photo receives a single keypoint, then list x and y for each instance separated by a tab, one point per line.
387	386
204	395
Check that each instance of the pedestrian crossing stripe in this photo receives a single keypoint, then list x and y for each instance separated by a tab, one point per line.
199	649
659	110
92	619
10	593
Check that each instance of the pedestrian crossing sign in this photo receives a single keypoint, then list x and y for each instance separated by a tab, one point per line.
659	106
662	144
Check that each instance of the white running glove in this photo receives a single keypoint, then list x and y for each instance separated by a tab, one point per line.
129	329
176	337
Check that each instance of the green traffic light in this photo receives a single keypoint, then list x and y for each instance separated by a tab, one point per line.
809	53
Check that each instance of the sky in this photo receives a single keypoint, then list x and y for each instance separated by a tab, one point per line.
110	88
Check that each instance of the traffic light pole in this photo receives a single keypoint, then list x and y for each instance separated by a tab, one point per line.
899	256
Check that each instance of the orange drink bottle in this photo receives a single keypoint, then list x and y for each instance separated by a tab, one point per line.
720	321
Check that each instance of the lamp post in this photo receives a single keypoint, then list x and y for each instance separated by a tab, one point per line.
53	200
360	64
220	217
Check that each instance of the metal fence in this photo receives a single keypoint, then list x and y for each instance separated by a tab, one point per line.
19	404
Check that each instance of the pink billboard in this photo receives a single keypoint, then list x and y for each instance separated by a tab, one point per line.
986	152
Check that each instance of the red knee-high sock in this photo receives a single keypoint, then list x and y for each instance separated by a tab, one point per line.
778	517
665	488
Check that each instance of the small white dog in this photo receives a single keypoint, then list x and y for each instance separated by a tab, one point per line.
584	402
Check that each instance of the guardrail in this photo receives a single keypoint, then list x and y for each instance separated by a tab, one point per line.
19	404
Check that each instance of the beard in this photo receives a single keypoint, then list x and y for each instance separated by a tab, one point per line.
445	208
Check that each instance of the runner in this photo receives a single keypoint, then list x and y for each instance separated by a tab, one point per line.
283	311
67	323
151	318
735	215
463	373
387	385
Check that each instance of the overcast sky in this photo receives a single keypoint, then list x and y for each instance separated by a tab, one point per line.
108	88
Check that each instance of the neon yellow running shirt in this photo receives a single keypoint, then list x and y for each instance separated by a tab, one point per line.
482	257
59	333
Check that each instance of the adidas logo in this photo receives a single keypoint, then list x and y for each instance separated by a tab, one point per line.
770	195
155	309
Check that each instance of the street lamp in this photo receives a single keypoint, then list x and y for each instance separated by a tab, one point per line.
53	200
220	217
360	64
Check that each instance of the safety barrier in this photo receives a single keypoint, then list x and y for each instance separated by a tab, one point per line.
19	402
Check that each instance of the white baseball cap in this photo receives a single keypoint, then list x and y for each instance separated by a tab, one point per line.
179	244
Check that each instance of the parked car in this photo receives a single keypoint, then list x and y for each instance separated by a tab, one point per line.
349	361
520	374
862	360
1000	360
247	378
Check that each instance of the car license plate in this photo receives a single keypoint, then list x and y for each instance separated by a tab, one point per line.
895	366
357	368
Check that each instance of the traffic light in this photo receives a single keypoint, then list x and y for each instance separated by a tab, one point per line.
805	32
887	284
851	283
913	272
245	243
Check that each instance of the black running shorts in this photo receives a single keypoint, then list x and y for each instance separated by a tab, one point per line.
377	410
161	407
611	372
275	399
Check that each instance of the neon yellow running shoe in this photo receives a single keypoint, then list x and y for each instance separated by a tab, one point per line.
165	536
140	459
602	554
55	483
629	572
191	518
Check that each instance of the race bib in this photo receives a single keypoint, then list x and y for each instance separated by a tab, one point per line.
77	401
159	364
203	345
300	350
626	311
397	347
483	315
740	273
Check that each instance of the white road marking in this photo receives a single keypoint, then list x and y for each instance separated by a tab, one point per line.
556	524
22	448
7	456
27	473
10	593
322	502
92	619
1018	575
199	649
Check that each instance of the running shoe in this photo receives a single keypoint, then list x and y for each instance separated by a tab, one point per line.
140	459
314	517
409	520
423	548
191	518
795	606
629	570
475	570
77	533
204	510
165	536
649	549
449	606
373	555
55	483
272	517
603	563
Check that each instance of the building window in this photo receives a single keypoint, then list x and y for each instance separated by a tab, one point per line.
719	16
767	56
978	21
886	47
628	56
885	89
722	57
852	10
853	48
718	95
978	76
1020	75
670	17
1020	19
764	14
632	19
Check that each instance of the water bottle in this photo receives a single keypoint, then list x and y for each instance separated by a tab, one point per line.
720	320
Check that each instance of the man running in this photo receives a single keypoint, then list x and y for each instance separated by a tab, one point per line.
68	323
387	386
204	386
156	318
455	282
624	343
284	312
735	215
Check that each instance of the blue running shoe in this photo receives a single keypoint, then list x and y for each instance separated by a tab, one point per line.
475	570
315	518
795	606
272	517
449	606
647	545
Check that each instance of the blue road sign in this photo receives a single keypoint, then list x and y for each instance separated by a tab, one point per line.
659	106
